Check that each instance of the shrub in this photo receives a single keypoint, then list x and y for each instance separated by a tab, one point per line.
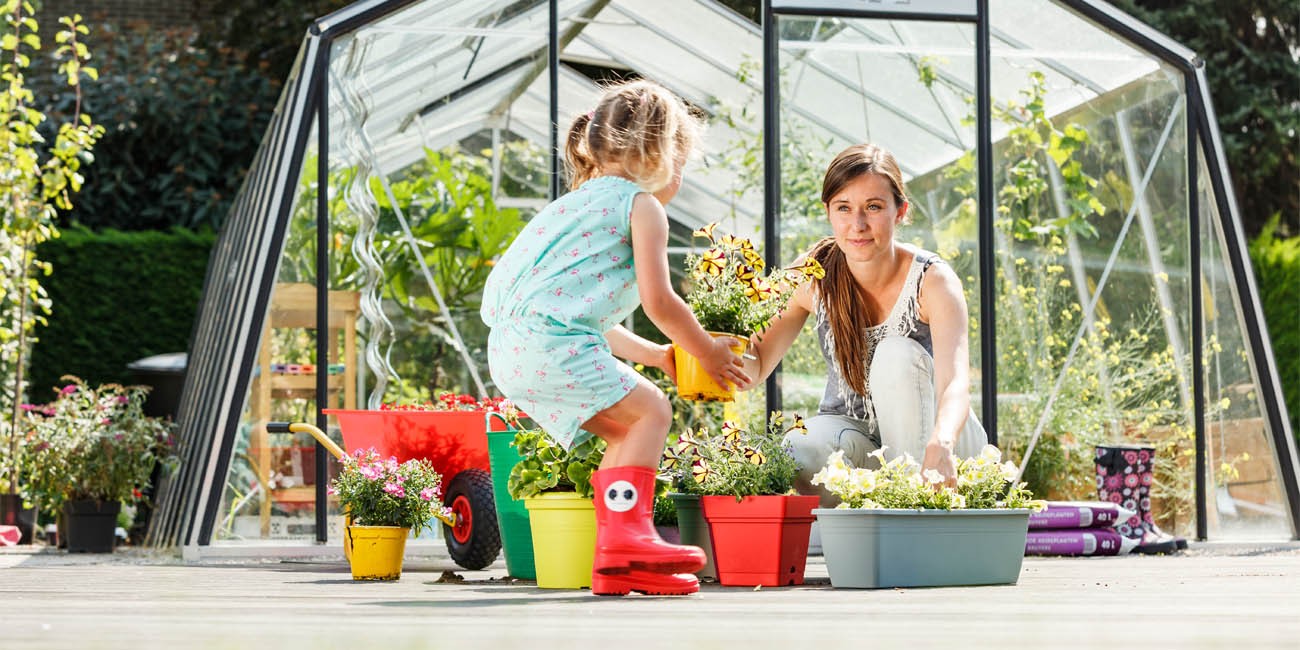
1277	267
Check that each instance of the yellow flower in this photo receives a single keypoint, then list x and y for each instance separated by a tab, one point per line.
752	258
812	269
797	425
731	431
700	470
746	273
706	232
713	262
758	290
754	456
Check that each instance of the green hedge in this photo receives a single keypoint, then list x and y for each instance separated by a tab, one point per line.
117	297
1277	268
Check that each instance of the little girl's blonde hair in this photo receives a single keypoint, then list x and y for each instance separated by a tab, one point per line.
638	126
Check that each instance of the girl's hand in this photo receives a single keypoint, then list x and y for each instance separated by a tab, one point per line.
667	361
724	366
938	457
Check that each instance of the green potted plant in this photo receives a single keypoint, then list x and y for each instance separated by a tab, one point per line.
757	529
384	500
555	486
900	527
731	296
92	450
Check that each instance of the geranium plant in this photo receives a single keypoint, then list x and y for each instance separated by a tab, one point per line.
382	492
548	467
729	292
449	401
94	444
734	461
982	482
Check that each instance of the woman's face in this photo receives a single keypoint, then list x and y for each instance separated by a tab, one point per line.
863	215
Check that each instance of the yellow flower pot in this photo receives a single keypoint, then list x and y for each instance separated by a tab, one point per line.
564	539
696	385
377	551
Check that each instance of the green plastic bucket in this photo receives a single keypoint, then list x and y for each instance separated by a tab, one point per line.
512	516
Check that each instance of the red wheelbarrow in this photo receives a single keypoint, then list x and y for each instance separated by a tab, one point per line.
455	443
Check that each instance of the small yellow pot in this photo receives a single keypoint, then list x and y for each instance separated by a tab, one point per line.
564	539
696	385
377	551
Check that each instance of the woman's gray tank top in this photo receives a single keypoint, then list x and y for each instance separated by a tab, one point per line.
903	320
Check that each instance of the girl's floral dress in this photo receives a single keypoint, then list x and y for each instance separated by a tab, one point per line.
565	281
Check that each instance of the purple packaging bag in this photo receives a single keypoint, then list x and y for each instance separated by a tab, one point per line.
1078	514
1078	541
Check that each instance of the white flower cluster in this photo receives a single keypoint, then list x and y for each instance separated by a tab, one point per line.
982	482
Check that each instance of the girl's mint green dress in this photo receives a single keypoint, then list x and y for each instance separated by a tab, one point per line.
565	281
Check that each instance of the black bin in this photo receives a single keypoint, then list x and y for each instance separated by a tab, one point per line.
165	373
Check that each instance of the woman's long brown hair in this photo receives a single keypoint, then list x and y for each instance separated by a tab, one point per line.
842	301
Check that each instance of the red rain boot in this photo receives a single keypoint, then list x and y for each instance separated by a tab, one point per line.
626	539
653	584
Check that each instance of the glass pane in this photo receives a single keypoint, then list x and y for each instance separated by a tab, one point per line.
907	87
1245	496
1093	299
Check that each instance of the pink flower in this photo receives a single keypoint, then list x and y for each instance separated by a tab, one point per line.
395	489
1130	457
428	494
1131	480
370	472
69	389
331	490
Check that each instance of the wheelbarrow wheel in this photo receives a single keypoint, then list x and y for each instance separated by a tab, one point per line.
475	540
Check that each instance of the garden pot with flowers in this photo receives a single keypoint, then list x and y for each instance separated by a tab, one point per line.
555	486
384	500
900	527
731	297
757	530
90	451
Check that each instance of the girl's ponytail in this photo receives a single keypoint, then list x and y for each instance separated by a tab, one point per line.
578	161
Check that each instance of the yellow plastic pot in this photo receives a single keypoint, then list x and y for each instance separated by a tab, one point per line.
696	385
377	551
564	539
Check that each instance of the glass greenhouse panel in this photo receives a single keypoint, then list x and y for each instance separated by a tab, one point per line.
1093	303
908	87
439	123
1245	498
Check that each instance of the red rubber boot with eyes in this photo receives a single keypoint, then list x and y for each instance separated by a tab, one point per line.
645	582
626	539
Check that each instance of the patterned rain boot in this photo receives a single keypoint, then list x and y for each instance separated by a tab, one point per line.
645	582
626	540
1124	477
1146	476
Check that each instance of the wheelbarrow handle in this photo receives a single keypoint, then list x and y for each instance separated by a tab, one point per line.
303	427
487	421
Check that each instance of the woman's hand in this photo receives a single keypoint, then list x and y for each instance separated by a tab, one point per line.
667	361
724	366
938	457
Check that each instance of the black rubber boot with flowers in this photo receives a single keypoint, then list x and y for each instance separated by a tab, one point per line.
626	540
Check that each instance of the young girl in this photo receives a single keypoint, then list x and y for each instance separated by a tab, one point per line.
891	321
554	302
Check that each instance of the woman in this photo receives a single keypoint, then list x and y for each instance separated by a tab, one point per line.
891	320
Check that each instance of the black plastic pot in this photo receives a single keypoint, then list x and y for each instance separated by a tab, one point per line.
91	525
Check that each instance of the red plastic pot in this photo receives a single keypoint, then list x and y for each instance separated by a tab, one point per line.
760	540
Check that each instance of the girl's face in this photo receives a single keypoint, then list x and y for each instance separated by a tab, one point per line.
863	216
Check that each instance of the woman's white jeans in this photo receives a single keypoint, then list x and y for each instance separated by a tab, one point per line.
901	383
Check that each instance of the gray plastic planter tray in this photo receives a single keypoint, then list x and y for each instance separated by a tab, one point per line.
868	549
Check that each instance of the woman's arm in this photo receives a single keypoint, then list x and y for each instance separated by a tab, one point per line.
943	305
767	348
664	307
627	345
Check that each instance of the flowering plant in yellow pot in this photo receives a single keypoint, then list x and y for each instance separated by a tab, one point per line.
382	492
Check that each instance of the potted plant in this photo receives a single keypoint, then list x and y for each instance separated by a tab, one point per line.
91	451
555	486
384	500
731	297
757	530
900	527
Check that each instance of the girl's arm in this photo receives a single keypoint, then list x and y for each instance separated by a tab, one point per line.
769	346
664	307
944	306
626	344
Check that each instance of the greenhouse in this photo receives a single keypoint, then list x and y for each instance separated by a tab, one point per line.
1060	155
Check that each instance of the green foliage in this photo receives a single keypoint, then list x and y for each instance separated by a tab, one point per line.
94	444
270	31
378	492
548	467
1277	267
1249	48
183	124
118	297
665	511
734	461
